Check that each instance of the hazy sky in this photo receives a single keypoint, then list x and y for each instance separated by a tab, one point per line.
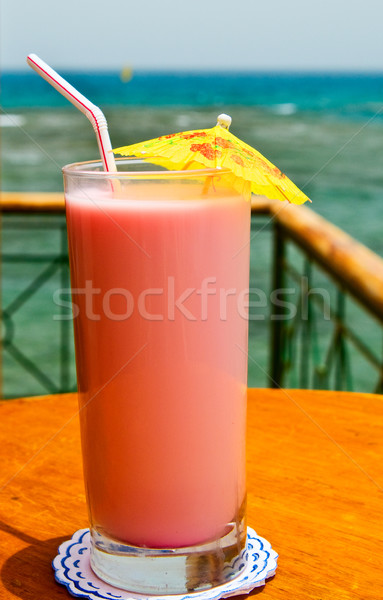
194	34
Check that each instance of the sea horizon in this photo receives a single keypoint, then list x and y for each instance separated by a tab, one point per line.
194	70
307	90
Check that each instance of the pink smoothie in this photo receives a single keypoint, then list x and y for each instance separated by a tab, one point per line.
161	342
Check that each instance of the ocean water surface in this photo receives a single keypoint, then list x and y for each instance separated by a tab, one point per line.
325	131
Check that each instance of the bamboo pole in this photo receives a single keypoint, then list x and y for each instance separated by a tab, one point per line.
348	261
46	202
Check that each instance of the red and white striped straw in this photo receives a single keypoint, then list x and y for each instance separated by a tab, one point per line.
94	114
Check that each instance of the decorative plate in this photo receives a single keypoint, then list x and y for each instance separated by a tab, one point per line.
72	569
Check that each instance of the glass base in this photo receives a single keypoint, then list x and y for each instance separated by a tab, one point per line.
169	571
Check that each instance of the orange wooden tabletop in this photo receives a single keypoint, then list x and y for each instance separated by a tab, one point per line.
315	491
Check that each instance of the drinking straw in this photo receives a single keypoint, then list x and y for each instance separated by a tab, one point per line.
93	112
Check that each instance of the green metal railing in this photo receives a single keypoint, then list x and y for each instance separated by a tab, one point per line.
310	326
333	339
37	337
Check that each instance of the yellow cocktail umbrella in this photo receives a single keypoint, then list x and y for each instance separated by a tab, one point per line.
217	147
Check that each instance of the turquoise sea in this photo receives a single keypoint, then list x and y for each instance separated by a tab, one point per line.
325	131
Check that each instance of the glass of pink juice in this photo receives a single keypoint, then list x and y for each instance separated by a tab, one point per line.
160	274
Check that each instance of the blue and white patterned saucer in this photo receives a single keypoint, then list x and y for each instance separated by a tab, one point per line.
72	569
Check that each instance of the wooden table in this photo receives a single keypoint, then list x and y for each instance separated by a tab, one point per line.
315	481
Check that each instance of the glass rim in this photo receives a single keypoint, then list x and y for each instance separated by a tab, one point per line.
80	168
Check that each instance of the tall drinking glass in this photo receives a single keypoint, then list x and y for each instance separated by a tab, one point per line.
160	273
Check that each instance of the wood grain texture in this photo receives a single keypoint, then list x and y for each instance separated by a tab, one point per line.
315	491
